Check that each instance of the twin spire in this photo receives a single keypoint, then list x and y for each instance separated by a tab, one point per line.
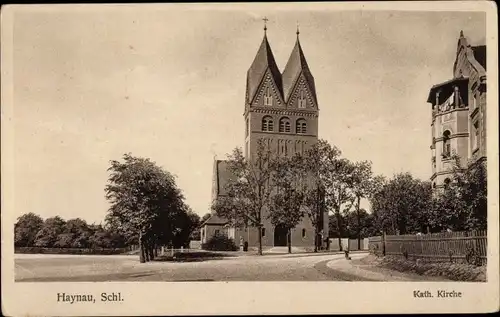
285	83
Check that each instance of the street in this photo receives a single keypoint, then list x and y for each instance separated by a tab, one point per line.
286	267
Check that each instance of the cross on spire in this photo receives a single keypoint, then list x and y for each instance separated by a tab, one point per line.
265	19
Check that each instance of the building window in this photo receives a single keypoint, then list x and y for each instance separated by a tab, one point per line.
284	125
447	182
267	124
434	185
268	97
263	232
475	137
303	233
301	127
446	144
217	231
302	99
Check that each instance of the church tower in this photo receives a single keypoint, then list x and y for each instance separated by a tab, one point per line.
280	109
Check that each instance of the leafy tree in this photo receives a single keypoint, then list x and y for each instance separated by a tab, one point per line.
64	240
26	229
48	235
248	190
144	199
194	225
78	232
290	182
360	224
315	163
186	223
462	204
361	187
100	238
335	174
402	205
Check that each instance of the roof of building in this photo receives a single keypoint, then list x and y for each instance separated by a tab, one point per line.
214	220
447	87
480	54
295	66
264	60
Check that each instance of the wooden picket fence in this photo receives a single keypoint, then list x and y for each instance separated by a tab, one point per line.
457	247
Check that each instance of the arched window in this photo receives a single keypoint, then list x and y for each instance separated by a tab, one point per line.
268	97
446	144
267	123
284	125
302	99
303	233
301	126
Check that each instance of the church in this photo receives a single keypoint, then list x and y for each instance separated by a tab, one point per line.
281	109
459	113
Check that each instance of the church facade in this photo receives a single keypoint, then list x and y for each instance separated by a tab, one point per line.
459	113
281	110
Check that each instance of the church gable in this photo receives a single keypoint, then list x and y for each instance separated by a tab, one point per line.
268	93
301	96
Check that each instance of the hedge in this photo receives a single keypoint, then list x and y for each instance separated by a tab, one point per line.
39	250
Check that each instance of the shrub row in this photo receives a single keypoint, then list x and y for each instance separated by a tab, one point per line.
38	250
452	271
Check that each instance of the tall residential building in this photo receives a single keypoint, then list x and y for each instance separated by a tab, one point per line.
459	113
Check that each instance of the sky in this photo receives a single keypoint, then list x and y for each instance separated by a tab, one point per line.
169	84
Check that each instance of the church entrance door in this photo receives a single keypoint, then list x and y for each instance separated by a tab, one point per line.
280	233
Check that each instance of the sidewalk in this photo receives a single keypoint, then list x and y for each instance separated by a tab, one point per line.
373	273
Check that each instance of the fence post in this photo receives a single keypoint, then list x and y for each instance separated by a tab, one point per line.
383	243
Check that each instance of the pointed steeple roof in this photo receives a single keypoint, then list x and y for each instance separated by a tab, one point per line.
295	66
263	61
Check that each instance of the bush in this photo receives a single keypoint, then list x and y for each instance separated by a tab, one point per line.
220	242
39	250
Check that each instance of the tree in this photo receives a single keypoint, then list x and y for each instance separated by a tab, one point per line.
462	204
100	238
144	199
248	189
187	222
290	182
360	219
402	205
26	229
361	187
336	175
47	236
316	165
79	233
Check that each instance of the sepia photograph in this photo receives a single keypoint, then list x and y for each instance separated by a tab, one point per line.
337	143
